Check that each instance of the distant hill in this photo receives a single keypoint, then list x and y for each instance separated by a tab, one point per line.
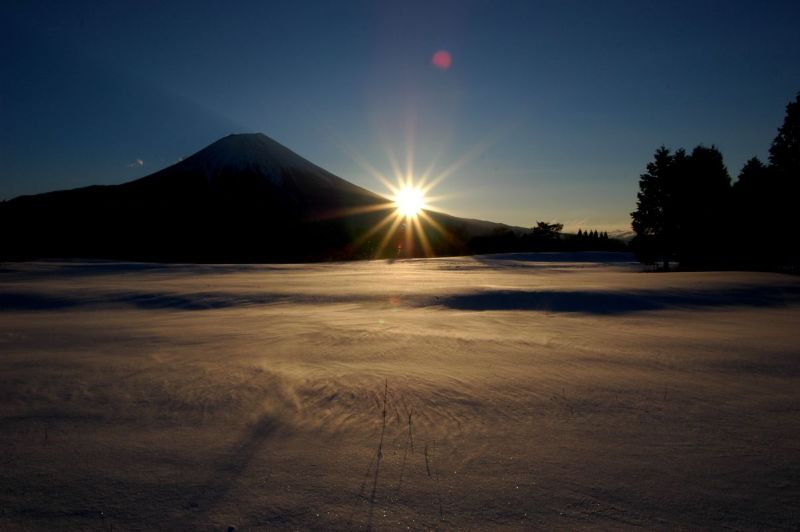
244	198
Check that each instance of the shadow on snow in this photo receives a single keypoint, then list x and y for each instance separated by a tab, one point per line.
569	301
599	302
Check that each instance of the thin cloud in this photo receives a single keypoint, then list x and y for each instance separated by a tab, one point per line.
138	163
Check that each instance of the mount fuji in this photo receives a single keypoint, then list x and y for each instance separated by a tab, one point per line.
244	198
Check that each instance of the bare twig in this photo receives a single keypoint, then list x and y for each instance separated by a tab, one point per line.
438	486
379	456
409	442
427	463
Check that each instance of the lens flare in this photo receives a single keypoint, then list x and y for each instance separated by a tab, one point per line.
442	60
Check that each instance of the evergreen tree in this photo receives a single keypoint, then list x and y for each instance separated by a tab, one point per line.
546	231
753	199
784	154
651	217
702	208
687	209
682	208
752	179
784	158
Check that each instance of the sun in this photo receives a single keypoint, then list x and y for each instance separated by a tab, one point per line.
410	225
409	201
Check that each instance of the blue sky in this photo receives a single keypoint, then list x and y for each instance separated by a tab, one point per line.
552	108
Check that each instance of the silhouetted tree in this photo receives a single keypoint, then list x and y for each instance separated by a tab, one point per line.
784	154
763	204
702	203
546	231
752	176
753	215
682	208
688	211
784	158
651	219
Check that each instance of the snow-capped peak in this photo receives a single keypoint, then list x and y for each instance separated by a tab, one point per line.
251	152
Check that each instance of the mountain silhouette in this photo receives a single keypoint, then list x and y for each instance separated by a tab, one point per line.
244	198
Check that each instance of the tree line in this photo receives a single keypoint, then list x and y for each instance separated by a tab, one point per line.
544	236
689	213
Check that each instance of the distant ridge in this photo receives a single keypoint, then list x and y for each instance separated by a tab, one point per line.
243	198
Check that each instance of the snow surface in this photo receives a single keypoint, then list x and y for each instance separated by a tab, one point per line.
254	153
544	391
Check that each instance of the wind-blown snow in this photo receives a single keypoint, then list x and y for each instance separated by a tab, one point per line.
540	391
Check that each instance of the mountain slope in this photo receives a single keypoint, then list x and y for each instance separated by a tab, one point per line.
256	162
244	198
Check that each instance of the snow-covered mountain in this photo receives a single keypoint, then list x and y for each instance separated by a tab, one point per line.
243	167
243	198
257	155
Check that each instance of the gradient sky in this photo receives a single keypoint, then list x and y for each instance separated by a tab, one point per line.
553	108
